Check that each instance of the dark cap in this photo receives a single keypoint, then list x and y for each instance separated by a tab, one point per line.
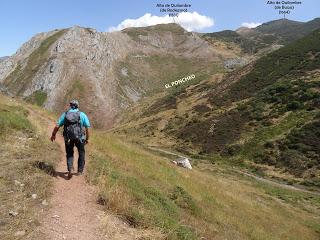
74	103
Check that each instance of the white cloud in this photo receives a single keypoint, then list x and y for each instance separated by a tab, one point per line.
250	24
190	21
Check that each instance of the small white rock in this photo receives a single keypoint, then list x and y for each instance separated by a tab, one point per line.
20	233
13	213
44	203
55	216
34	196
183	162
17	183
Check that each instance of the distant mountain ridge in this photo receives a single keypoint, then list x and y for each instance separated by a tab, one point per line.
3	58
111	71
277	32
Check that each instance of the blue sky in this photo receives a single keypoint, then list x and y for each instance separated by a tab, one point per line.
21	19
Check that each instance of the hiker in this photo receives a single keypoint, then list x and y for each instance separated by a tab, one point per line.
74	123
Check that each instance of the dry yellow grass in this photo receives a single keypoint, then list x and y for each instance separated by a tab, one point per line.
151	193
22	146
222	205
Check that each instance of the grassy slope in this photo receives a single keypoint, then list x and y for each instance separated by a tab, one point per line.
282	99
279	93
148	191
246	45
275	32
288	30
148	74
292	60
22	146
157	70
209	201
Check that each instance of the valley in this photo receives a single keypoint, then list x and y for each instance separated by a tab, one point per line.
243	106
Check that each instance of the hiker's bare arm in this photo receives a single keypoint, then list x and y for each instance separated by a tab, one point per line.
54	132
87	135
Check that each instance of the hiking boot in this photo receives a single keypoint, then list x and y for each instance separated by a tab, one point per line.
69	175
79	173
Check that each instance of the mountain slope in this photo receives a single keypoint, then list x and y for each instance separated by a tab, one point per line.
112	71
270	34
288	30
154	198
263	116
236	116
107	71
208	202
3	58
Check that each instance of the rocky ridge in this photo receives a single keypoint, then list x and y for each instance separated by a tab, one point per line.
83	63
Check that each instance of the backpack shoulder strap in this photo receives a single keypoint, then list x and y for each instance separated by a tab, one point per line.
79	118
65	115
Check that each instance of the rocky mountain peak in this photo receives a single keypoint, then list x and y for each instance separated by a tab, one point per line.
83	63
109	71
244	30
278	25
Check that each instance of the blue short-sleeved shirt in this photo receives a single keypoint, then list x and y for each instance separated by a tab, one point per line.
84	120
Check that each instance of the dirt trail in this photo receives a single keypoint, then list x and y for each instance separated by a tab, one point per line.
73	210
74	213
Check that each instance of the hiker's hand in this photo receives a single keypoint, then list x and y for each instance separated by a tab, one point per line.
53	137
54	132
86	141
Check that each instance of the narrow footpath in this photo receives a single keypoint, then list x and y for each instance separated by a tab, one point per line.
73	212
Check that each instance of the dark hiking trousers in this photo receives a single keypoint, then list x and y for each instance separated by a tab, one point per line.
69	151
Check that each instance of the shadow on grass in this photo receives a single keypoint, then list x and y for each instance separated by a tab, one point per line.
46	167
49	169
63	175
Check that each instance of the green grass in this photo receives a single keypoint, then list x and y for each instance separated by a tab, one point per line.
151	77
264	134
13	118
291	60
149	204
149	192
38	97
306	201
315	226
77	90
279	94
247	45
21	150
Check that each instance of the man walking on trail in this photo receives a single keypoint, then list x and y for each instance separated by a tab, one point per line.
73	121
